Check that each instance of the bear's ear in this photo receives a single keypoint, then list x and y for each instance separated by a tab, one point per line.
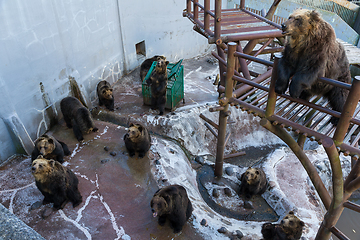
158	58
140	128
302	223
167	62
291	213
131	124
52	162
314	15
257	172
110	89
50	141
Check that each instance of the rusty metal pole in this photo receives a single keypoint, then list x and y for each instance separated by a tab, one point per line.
188	6
348	111
206	15
217	29
196	10
243	66
223	114
270	105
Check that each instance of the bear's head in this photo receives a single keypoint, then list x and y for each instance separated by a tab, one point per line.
135	131
45	144
161	66
41	168
301	22
251	176
292	225
159	205
107	93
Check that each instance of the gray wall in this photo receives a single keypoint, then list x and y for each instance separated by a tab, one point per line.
44	42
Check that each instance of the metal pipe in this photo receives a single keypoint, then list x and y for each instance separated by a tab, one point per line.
206	15
209	121
353	206
254	59
243	65
250	36
269	50
222	116
270	107
339	234
211	130
234	155
238	92
217	28
196	10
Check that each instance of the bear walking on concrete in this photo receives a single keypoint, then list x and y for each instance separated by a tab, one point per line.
311	51
253	182
158	81
146	65
290	227
57	183
77	117
105	95
171	203
137	139
50	148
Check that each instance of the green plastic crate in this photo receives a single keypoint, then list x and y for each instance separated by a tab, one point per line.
175	86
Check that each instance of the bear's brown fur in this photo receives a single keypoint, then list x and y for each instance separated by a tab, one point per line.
171	203
146	65
105	95
253	182
137	139
77	117
158	81
57	183
50	148
311	51
290	228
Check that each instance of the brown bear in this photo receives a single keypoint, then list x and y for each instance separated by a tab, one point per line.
311	51
290	228
146	65
171	203
105	95
158	81
77	117
50	148
137	139
253	182
57	183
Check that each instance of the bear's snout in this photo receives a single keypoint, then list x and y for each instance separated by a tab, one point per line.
283	27
33	169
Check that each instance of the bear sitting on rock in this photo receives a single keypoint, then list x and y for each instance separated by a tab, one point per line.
311	51
57	183
171	203
146	65
158	81
253	182
290	228
77	117
137	139
105	95
50	148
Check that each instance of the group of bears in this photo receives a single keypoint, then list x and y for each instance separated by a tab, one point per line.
311	51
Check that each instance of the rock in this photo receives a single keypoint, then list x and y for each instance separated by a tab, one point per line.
113	153
106	148
47	212
172	151
35	205
104	160
228	192
216	193
157	162
238	176
229	171
239	234
248	205
200	159
204	222
222	230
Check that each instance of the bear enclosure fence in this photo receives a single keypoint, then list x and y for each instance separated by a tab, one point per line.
280	114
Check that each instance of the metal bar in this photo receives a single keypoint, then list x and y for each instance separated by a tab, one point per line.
211	130
339	234
269	50
262	19
209	121
270	107
310	169
217	28
206	15
196	9
227	138
348	111
188	6
254	59
238	92
222	116
249	36
353	206
243	65
222	67
242	4
335	83
261	49
234	155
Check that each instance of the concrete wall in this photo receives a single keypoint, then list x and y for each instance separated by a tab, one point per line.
43	43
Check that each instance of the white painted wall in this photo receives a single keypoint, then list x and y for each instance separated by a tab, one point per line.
43	42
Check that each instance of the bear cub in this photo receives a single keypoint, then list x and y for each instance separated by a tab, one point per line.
290	228
50	148
253	182
57	183
158	82
77	117
312	51
137	139
171	203
105	95
146	65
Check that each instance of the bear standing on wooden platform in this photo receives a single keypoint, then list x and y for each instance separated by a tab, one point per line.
50	148
158	81
57	183
105	95
137	139
77	117
146	65
171	203
290	227
311	51
253	182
